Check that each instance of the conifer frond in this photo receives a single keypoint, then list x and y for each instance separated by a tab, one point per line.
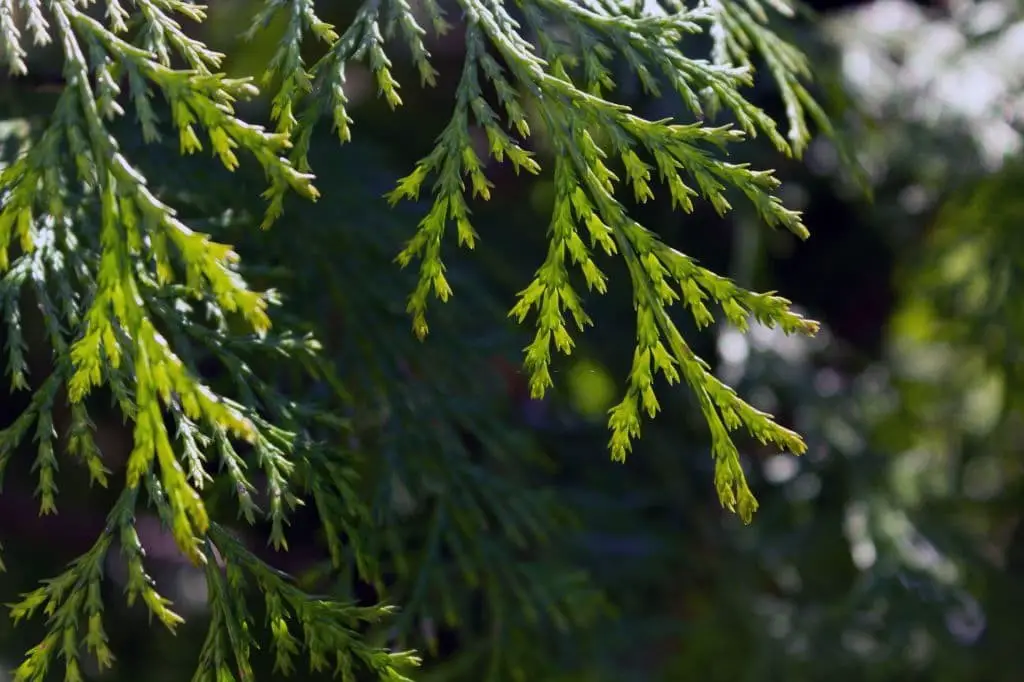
129	293
326	631
526	59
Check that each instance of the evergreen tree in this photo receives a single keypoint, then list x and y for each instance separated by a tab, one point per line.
257	385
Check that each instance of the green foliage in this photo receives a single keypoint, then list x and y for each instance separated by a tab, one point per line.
131	294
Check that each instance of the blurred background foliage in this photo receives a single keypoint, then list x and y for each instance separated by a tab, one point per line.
893	551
